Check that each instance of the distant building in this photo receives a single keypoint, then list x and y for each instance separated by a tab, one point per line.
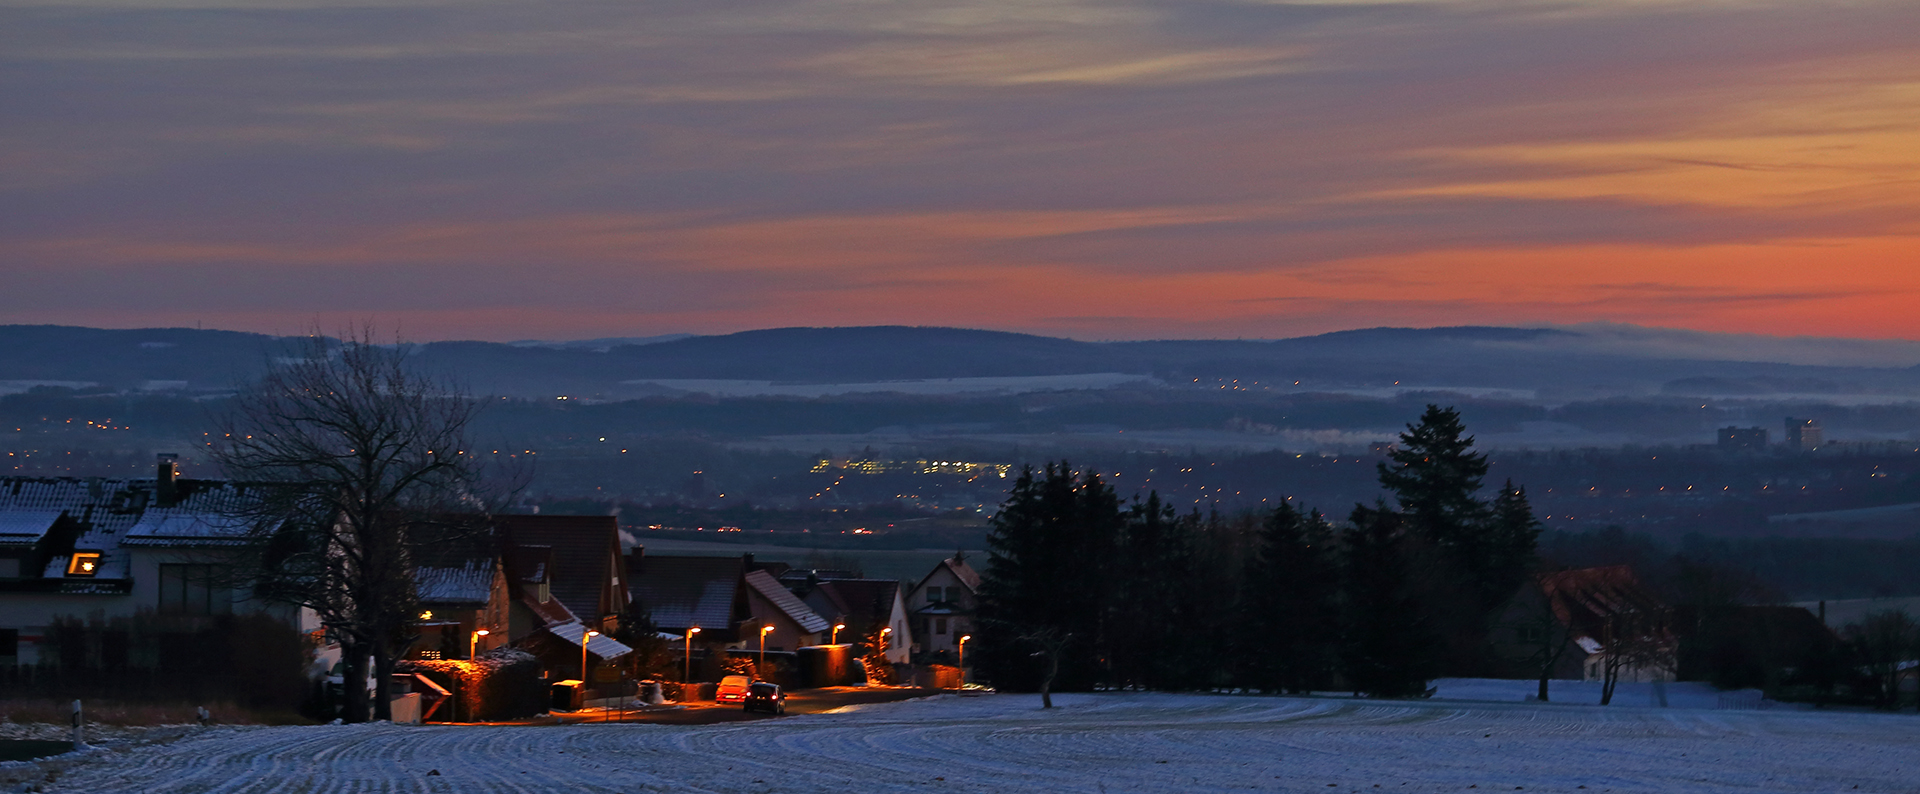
1743	438
1804	434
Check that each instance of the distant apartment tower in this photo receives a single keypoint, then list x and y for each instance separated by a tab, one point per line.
1735	438
1804	434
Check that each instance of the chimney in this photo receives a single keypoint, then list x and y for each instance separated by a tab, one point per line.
747	559
167	470
1823	612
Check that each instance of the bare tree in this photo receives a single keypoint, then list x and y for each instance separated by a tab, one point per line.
1883	644
1049	645
369	463
1633	642
1541	639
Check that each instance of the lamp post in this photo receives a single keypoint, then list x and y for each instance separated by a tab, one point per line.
960	659
473	643
883	638
590	634
687	677
764	631
836	633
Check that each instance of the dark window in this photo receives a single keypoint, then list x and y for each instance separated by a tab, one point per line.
940	626
194	590
9	643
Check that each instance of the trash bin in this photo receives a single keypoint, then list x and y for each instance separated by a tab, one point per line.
650	693
568	695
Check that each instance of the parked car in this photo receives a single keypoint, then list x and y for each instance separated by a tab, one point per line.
733	689
762	696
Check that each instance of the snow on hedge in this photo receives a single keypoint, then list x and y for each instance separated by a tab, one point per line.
1092	743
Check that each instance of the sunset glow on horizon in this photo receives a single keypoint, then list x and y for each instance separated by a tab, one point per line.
1098	170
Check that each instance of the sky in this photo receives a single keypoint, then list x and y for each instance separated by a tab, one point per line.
1099	169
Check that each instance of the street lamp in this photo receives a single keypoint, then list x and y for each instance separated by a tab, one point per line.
473	643
883	638
687	678
764	631
960	660
836	633
583	664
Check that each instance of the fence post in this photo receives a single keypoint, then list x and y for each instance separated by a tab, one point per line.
79	727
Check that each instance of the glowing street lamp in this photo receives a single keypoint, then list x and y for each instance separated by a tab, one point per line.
960	660
583	663
473	642
883	638
687	678
764	631
836	633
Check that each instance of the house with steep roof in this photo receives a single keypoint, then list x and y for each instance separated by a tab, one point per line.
78	547
1593	618
564	579
869	604
773	606
943	605
582	566
680	593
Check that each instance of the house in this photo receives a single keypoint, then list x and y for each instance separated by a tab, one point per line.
680	594
565	582
121	549
582	567
862	605
943	605
1746	645
1594	621
462	591
791	622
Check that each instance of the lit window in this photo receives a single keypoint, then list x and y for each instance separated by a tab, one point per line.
84	563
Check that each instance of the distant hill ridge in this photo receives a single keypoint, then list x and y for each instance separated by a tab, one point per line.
1476	356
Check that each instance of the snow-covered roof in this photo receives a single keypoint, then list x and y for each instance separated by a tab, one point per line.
468	584
600	645
26	527
679	592
788	603
109	516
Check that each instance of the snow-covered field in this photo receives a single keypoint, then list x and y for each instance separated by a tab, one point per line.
1092	743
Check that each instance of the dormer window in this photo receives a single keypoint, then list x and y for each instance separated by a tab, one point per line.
84	563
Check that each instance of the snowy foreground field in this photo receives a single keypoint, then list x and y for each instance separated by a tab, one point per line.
1093	743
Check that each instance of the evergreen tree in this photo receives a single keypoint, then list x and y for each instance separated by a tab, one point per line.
1470	556
1158	621
1387	647
1049	556
1513	537
1288	604
1435	476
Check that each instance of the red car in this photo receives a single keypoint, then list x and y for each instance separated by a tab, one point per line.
733	689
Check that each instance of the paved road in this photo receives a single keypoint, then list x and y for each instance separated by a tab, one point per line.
810	701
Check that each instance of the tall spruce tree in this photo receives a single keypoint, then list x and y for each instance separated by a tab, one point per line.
1159	622
1287	604
1050	551
1470	555
1513	538
1388	648
1435	476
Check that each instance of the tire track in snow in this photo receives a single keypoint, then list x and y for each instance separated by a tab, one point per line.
1122	742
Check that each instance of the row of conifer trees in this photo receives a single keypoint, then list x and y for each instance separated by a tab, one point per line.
1084	590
